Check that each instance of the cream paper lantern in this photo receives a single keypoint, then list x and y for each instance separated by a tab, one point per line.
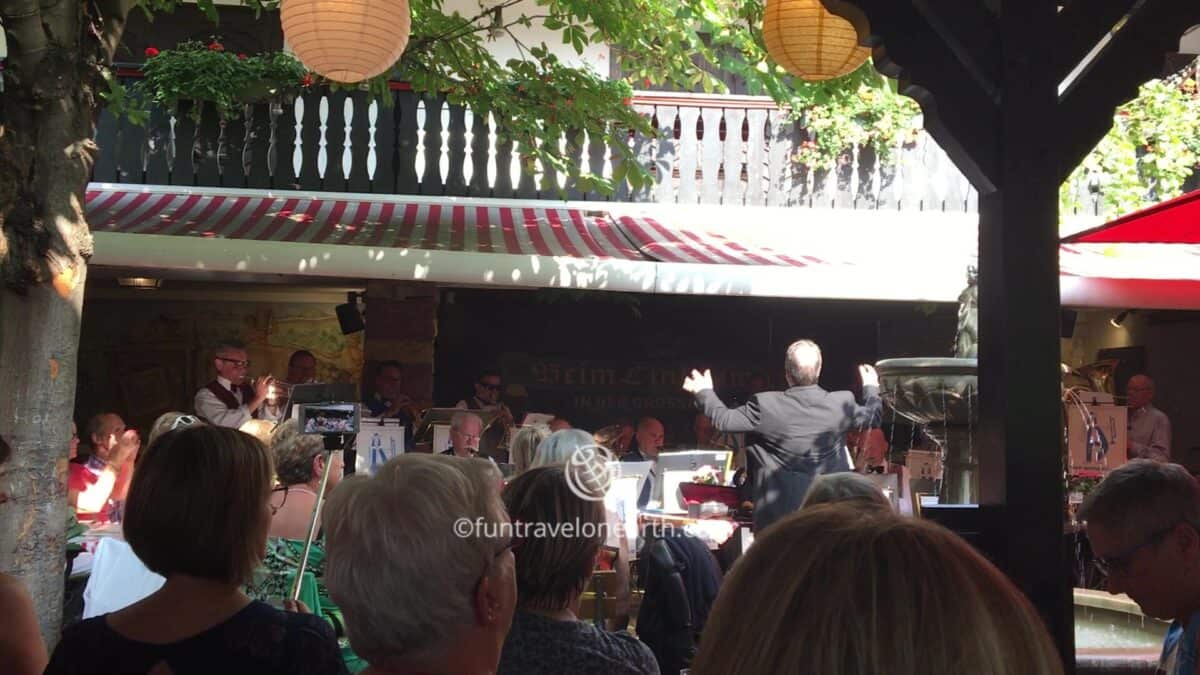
809	41
346	40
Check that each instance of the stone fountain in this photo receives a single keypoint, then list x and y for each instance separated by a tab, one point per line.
942	394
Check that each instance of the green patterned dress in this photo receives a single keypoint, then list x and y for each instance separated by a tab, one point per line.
272	583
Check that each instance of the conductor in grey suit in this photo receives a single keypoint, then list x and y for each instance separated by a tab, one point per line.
793	436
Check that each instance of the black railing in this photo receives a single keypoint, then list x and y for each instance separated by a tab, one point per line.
341	141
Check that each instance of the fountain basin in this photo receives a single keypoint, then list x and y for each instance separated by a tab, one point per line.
942	395
931	391
1113	636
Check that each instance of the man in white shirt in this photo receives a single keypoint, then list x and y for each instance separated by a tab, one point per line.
1149	428
229	401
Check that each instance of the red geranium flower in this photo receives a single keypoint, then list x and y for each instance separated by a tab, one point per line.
151	52
241	57
307	80
217	47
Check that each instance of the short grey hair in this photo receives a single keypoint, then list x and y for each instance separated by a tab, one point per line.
458	419
803	363
845	486
1142	497
524	446
395	565
229	345
560	445
293	452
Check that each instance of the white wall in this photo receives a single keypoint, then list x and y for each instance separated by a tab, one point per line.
503	48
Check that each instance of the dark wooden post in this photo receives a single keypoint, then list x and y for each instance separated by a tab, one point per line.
1004	90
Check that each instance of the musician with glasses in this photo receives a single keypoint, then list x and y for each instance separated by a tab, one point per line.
1143	522
231	400
486	397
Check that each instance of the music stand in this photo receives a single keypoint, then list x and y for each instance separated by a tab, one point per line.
434	416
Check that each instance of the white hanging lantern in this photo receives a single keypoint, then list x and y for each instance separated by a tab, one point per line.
346	40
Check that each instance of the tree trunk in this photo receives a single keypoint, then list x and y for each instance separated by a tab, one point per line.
47	123
39	338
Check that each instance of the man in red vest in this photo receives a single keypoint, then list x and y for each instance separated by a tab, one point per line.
229	400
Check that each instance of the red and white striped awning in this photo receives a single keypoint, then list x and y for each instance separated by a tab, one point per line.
385	222
686	243
679	249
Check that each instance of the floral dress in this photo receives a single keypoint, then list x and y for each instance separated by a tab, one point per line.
272	582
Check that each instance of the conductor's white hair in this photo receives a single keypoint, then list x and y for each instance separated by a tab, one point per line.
803	363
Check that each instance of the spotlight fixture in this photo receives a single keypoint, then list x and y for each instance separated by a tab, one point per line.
139	283
1119	319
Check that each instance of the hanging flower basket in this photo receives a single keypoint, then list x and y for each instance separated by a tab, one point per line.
195	71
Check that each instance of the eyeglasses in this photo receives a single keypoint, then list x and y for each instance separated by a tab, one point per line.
278	498
235	362
1119	563
184	421
512	544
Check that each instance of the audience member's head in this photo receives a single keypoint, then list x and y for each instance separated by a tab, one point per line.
650	437
104	434
260	429
419	594
1140	391
803	363
553	570
302	367
846	486
466	428
524	446
1142	523
300	457
838	589
199	504
558	447
171	421
558	424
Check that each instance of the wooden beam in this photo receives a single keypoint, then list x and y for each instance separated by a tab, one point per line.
906	47
1080	26
969	30
1135	54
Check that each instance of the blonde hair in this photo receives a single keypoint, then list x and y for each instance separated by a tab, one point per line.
398	562
857	592
169	422
198	504
260	429
524	445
